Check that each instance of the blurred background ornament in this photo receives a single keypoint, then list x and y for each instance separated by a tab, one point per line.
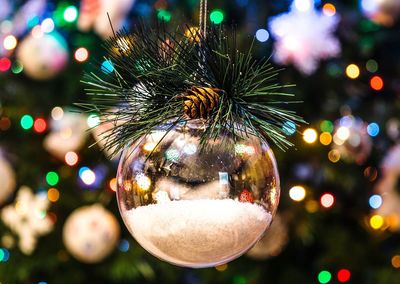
383	12
304	36
351	139
91	233
28	218
43	56
197	208
93	14
68	133
388	206
273	242
7	179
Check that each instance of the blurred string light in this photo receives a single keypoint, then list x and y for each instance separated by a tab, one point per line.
222	267
327	126
289	128
329	9
217	16
325	138
143	182
70	14
396	261
53	194
343	275
352	71
17	67
10	42
71	158
310	135
262	35
5	64
93	120
373	129
107	67
327	200
81	54
312	206
376	222
47	25
4	255
376	83
343	133
52	178
26	122
297	193
372	66
113	184
57	113
87	176
303	5
375	201
164	15
324	277
40	125
123	245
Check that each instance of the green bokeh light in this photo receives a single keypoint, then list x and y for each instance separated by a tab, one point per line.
326	126
324	277
372	66
70	14
26	122
52	178
217	16
164	15
17	67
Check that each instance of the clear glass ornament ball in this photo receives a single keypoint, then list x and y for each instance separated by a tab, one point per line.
196	206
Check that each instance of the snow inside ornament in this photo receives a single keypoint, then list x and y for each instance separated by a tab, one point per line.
91	233
383	12
197	208
273	242
68	133
304	36
28	218
7	178
351	139
44	56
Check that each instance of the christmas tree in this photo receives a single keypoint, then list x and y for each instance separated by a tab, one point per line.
338	219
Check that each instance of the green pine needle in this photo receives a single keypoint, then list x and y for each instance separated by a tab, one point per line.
153	68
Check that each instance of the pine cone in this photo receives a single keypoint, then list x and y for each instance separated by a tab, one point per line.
199	102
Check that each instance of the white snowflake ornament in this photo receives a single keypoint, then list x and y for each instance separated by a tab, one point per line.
304	36
28	218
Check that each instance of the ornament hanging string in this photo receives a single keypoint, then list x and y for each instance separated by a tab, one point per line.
203	17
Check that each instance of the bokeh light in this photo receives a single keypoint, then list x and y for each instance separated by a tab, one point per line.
329	9
93	120
289	128
71	158
87	176
222	267
123	245
325	138
343	275
326	126
5	64
4	255
164	15
376	83
26	122
373	129
217	16
53	194
324	277
327	200
70	14
396	261
372	66
262	35
303	5
143	182
352	71
47	25
343	133
113	184
40	125
310	135
107	67
57	113
81	54
375	201
297	193
376	222
17	67
52	178
10	42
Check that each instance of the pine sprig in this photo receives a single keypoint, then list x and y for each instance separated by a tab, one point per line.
153	68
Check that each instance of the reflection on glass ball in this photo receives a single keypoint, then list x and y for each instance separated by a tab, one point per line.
197	206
